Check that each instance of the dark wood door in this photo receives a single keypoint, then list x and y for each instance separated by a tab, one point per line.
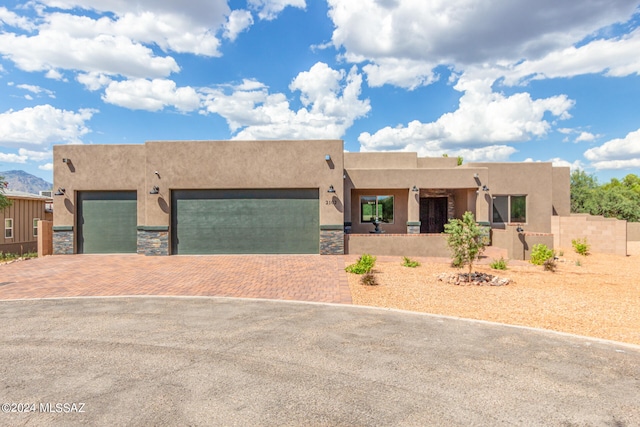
433	214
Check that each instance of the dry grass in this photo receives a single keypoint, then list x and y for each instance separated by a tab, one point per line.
599	298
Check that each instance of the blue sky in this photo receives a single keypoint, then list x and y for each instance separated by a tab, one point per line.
490	80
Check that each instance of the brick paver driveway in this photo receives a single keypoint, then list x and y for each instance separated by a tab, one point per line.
285	277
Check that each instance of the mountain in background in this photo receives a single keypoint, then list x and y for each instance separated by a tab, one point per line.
23	181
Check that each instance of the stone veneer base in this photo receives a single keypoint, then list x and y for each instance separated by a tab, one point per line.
331	242
152	242
62	242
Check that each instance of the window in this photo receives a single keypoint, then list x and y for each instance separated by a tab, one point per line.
35	227
372	207
509	209
8	228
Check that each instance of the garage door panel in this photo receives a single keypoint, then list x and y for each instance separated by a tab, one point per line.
107	222
245	221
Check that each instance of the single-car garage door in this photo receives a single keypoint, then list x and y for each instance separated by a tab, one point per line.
107	222
274	221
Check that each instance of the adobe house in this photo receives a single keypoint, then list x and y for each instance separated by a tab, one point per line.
20	221
217	197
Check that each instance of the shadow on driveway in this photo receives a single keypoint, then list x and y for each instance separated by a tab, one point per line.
219	361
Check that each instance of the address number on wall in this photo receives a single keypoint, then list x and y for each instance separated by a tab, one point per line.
330	202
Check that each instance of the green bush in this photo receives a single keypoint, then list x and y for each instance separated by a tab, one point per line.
500	264
10	256
408	262
581	246
541	253
369	279
465	239
364	265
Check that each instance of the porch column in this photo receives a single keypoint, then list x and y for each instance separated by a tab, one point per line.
413	212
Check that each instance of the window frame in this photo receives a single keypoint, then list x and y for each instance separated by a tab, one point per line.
8	228
509	209
377	201
35	227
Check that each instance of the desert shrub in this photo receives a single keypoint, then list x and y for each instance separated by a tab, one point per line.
560	252
465	239
540	253
369	279
364	265
581	246
550	264
408	262
578	263
500	264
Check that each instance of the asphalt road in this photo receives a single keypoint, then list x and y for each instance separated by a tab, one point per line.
217	361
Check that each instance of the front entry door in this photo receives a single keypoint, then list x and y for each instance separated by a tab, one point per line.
433	214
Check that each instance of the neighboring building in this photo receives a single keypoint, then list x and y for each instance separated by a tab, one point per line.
203	197
20	221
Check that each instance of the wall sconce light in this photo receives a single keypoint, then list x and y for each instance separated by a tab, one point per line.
60	192
327	157
154	190
415	188
157	173
485	188
519	229
331	189
65	160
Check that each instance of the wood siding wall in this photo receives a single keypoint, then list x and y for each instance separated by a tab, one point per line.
23	212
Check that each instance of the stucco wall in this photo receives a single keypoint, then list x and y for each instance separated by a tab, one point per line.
604	235
380	160
561	191
535	180
197	165
96	168
519	245
633	231
399	225
434	245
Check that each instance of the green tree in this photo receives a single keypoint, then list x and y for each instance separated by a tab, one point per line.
465	239
4	202
582	188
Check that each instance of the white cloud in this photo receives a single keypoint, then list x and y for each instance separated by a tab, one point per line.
42	125
12	158
11	19
37	90
239	20
400	72
151	95
483	118
462	32
330	99
269	9
119	40
585	136
614	57
557	161
620	153
36	156
93	81
107	54
46	167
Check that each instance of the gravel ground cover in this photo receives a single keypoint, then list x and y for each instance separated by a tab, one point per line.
596	295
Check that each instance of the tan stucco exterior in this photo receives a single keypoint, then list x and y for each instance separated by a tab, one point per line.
192	165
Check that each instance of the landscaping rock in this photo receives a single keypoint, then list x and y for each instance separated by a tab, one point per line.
477	279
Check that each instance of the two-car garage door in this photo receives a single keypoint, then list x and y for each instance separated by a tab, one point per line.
273	221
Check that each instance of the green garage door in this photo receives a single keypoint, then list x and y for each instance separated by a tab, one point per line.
245	221
107	222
